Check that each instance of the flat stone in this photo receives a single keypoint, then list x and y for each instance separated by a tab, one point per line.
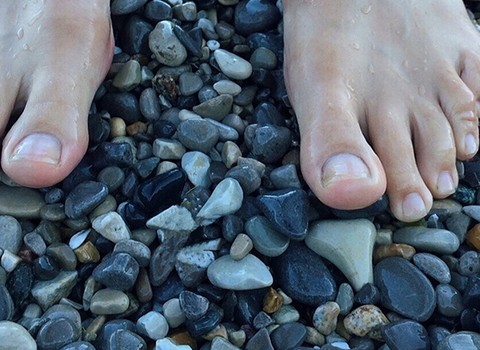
266	239
345	298
432	266
406	334
286	314
245	274
302	275
48	293
175	218
11	237
189	83
348	244
461	340
404	288
15	336
111	226
109	302
227	87
226	198
20	202
428	239
215	108
197	165
233	66
84	198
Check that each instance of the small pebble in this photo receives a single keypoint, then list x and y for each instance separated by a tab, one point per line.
109	302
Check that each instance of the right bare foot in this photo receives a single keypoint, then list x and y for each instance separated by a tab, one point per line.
55	54
404	75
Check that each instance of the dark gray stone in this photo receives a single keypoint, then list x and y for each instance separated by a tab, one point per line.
117	271
84	198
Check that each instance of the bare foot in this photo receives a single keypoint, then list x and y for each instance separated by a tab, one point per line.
403	76
54	55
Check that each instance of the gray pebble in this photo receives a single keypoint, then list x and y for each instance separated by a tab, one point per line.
432	266
266	239
84	198
197	135
233	66
216	108
225	132
197	165
345	298
469	263
15	336
186	11
35	243
63	254
206	93
427	239
153	325
136	249
112	176
11	237
461	340
149	104
168	149
128	77
189	83
166	47
111	226
118	271
53	212
6	304
48	293
458	223
109	302
227	87
285	176
173	313
219	343
263	58
20	202
193	305
123	7
247	177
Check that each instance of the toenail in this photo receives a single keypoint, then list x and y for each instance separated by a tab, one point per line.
470	144
343	166
445	183
413	206
43	148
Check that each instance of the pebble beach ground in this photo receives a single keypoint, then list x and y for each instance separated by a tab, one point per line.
188	225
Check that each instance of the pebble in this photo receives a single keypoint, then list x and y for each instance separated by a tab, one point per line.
45	268
226	199
449	300
15	336
461	340
227	87
406	334
364	319
261	340
168	50
125	339
368	294
20	202
111	226
432	266
153	325
9	261
215	108
139	251
109	302
241	246
128	77
230	154
84	198
219	343
268	143
287	210
266	239
123	7
78	345
286	314
395	249
189	83
206	323
255	16
63	254
288	335
11	237
303	276
345	298
469	263
168	149
118	271
325	317
167	344
20	282
48	293
6	304
56	333
176	218
197	165
193	305
225	132
245	274
404	289
197	134
233	66
173	313
285	176
247	176
428	239
158	10
348	244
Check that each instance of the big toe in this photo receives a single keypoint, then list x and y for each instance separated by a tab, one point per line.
45	144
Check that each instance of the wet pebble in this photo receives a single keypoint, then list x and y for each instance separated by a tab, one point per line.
233	66
197	135
189	83
432	266
449	300
20	202
136	249
153	325
123	7
406	334
109	302
255	16
47	293
288	335
111	226
197	165
167	49
325	317
84	198
118	271
11	237
469	263
460	340
15	336
428	239
215	108
125	339
266	239
268	143
397	280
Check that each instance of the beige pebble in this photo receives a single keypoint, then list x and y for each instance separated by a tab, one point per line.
272	301
364	319
395	249
136	128
230	153
241	246
165	166
94	328
237	338
87	253
314	337
117	127
218	331
325	317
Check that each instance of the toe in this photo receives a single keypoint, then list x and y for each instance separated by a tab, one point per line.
410	199
337	162
50	136
459	105
434	149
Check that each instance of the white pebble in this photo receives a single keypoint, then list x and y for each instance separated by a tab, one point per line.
196	165
9	261
111	226
153	324
233	66
175	218
173	313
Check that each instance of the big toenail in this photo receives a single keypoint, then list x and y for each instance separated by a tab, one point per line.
343	166
445	183
470	144
413	206
43	148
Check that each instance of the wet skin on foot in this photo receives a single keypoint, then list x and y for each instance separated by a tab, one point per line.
386	96
49	80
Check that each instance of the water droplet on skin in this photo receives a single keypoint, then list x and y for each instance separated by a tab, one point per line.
35	17
27	47
349	86
366	9
356	46
20	33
